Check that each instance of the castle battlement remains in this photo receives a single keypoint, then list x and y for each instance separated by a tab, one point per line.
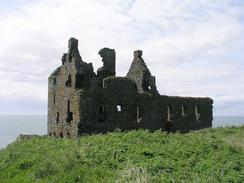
82	101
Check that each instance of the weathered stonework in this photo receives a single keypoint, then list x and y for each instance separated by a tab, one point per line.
82	101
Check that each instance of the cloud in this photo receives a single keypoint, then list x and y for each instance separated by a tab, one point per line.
192	47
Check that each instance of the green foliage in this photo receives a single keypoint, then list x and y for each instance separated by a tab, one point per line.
210	155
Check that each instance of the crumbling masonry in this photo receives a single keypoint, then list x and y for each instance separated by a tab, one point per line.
82	101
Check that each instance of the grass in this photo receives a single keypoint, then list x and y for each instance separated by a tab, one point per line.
210	155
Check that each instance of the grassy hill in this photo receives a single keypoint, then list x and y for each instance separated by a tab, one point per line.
211	155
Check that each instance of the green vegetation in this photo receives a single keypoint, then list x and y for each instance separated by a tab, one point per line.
210	155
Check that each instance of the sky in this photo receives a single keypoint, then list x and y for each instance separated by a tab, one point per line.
193	47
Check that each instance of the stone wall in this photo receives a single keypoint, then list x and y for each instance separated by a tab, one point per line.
119	106
141	75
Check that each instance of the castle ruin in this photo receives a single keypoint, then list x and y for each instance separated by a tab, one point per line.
82	101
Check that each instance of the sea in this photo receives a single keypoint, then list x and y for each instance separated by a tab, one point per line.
11	126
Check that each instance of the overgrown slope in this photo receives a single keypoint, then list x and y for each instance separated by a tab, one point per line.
211	155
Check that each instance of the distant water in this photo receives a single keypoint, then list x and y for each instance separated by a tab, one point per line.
11	126
219	121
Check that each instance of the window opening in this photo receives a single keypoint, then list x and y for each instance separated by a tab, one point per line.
68	83
139	115
169	115
57	118
183	110
54	98
54	81
168	126
197	113
101	114
119	108
69	113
